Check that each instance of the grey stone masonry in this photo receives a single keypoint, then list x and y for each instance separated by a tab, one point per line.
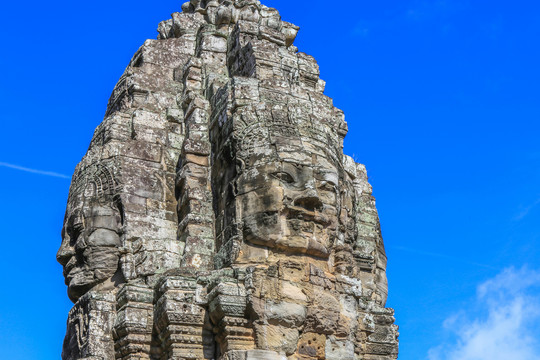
215	215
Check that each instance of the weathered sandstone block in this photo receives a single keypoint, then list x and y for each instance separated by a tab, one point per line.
215	215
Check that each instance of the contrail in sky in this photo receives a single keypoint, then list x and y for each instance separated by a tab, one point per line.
526	211
34	171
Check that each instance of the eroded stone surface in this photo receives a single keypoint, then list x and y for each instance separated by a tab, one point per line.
214	215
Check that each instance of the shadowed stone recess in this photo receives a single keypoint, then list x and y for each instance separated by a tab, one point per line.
215	215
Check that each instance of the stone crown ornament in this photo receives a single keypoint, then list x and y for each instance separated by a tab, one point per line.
215	215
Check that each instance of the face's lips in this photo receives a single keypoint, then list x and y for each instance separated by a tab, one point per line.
72	262
295	212
70	275
72	270
77	290
79	280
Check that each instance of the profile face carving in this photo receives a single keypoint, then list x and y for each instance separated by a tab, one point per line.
91	237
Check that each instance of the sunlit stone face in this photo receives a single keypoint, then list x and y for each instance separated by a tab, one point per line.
290	205
91	242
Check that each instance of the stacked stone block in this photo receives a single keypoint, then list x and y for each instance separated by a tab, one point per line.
215	215
134	323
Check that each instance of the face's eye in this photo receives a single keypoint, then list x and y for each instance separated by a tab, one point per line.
328	186
74	231
283	177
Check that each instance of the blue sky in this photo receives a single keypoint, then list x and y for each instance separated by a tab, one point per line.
442	102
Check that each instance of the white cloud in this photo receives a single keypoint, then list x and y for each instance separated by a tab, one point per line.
524	212
503	324
34	171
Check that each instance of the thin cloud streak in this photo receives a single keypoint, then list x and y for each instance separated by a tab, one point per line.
526	211
34	171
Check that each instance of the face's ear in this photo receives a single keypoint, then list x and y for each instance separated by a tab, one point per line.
90	190
348	209
233	189
345	200
240	165
117	203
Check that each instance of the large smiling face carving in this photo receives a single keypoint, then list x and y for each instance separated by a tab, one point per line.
279	184
290	205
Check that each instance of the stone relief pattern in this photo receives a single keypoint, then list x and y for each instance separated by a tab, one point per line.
214	215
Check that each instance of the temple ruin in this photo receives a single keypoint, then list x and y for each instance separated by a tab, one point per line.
215	215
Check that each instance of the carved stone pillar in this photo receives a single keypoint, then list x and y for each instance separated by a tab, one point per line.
194	195
134	323
181	320
377	335
89	328
228	304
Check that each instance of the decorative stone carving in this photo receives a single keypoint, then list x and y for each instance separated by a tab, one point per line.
215	215
90	250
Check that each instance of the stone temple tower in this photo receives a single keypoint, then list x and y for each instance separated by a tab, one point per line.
214	215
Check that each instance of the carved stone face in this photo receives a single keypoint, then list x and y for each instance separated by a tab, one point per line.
90	249
290	206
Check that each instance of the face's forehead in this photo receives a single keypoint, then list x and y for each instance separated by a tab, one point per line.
306	152
259	140
75	204
85	202
305	170
319	162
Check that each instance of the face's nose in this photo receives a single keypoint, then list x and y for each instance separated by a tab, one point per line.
309	200
65	252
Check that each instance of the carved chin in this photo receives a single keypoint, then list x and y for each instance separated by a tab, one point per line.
303	244
79	283
297	243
